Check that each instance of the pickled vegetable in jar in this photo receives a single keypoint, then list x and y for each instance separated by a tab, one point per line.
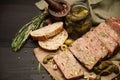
78	21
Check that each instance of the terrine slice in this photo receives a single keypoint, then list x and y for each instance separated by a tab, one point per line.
115	25
95	45
112	33
80	49
68	65
104	37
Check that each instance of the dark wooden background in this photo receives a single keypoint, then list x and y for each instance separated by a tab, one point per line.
21	65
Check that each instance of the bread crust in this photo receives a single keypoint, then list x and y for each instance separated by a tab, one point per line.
48	49
48	35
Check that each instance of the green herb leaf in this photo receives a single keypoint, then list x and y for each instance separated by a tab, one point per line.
24	33
39	68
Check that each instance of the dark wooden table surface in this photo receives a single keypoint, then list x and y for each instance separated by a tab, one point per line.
21	65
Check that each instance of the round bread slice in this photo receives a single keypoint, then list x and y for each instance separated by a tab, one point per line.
55	42
48	31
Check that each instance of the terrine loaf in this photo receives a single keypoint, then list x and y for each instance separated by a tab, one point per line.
46	32
68	65
88	50
105	38
55	42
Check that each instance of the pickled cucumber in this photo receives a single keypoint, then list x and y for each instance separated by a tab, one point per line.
107	71
97	70
104	64
105	68
115	69
47	58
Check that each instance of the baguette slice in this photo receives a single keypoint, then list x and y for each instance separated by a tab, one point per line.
55	42
47	31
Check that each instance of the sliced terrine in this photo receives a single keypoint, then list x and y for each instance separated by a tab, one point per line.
105	38
112	33
95	45
85	52
114	24
68	65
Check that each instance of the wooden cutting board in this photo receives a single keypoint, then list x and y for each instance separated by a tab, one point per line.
56	74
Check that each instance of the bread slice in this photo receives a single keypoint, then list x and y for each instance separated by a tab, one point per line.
55	42
47	31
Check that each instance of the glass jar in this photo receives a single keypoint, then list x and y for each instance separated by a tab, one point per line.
78	21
